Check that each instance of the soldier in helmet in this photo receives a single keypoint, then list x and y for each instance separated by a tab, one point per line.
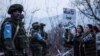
45	37
44	34
35	40
13	34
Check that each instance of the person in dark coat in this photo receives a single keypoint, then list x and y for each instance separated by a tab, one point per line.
89	41
68	39
78	46
97	33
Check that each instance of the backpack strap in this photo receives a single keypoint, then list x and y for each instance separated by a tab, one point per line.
17	29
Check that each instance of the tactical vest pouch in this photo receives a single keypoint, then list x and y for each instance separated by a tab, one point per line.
8	44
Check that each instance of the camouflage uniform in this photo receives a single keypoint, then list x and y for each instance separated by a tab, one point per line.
45	37
35	45
15	44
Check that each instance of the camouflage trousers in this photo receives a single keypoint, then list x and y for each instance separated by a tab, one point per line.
10	49
36	49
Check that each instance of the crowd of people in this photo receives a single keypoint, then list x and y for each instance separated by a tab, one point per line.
85	41
14	40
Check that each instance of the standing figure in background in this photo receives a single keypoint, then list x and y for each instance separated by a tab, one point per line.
89	41
68	39
78	46
36	40
97	33
45	37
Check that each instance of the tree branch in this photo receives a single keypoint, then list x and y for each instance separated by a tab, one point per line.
93	14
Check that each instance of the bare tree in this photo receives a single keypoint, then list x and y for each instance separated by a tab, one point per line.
89	8
31	19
